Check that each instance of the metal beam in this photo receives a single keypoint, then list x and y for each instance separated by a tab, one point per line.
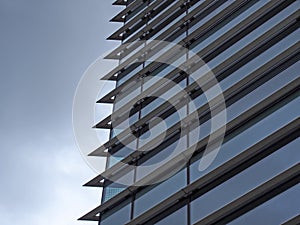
244	160
293	221
291	88
259	195
251	116
121	17
143	18
221	71
275	6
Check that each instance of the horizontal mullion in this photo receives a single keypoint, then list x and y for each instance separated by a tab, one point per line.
246	85
224	67
141	19
104	124
226	40
221	71
123	2
152	28
204	115
232	127
216	19
254	198
224	172
219	45
260	75
293	221
121	16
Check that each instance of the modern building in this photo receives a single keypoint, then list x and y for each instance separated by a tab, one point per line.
252	49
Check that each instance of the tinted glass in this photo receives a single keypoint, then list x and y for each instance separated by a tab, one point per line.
162	191
249	137
245	181
275	211
120	215
179	217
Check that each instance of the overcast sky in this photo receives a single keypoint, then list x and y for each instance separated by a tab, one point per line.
45	47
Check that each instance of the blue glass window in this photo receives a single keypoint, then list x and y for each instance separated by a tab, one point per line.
250	136
275	211
271	23
261	59
227	26
211	15
145	201
179	217
245	181
120	215
161	158
129	75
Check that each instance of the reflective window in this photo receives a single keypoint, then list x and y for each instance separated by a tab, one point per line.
263	91
136	10
211	15
271	23
162	72
145	201
124	122
162	127
129	75
163	153
244	13
157	30
250	136
255	96
119	215
113	160
110	192
134	46
165	28
261	59
196	5
245	181
161	49
127	95
152	106
152	17
245	103
275	211
179	217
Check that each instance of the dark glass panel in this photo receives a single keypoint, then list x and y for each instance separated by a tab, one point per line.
246	181
275	211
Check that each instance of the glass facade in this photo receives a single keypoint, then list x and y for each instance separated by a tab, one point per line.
275	211
154	154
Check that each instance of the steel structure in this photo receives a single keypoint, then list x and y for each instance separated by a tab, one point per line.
253	49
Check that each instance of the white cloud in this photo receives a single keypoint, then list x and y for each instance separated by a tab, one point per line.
46	187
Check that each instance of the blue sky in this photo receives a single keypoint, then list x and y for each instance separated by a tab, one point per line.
45	47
